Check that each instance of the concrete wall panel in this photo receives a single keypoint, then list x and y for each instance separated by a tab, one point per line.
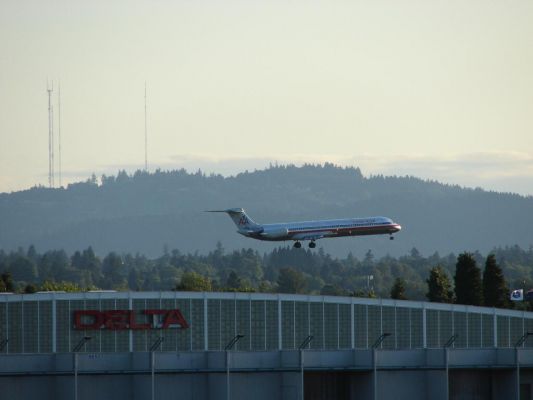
399	385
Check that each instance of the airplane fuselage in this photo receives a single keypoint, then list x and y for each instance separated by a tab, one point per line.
312	230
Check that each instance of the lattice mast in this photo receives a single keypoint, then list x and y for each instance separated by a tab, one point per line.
145	132
50	89
59	130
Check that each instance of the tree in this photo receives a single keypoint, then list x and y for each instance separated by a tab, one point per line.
439	286
134	280
49	286
150	279
23	269
89	260
112	268
6	282
333	290
398	290
233	281
369	258
30	288
264	287
193	282
291	281
365	293
168	275
495	290
89	264
32	254
468	287
54	266
217	256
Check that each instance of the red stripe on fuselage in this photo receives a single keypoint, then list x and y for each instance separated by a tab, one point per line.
368	228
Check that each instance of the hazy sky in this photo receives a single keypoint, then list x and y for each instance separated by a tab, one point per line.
436	89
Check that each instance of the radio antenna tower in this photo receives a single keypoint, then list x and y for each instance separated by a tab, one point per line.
50	89
145	133
59	128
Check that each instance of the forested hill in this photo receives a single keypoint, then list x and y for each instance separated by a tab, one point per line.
149	211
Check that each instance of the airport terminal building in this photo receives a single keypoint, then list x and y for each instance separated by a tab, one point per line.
46	322
185	345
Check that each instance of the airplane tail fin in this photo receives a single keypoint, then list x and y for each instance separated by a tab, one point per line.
240	219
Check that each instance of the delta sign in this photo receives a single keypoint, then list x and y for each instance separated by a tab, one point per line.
129	319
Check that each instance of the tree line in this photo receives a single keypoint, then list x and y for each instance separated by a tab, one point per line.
141	212
469	287
450	278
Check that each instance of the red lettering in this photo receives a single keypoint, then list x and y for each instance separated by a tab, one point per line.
125	319
134	325
156	324
116	319
97	319
174	317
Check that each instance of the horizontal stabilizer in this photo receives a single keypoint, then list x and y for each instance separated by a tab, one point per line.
228	211
241	220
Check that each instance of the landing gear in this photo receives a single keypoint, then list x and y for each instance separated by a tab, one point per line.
312	245
297	245
391	237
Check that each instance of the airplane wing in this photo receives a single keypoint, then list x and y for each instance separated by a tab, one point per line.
250	231
310	236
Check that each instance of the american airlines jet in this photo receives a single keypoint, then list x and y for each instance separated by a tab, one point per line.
311	230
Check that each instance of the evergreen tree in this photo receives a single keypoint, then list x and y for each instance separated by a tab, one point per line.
468	287
30	288
217	257
6	282
398	290
134	280
333	290
369	258
23	269
291	281
92	264
308	271
495	290
32	254
439	286
53	265
233	281
76	260
113	270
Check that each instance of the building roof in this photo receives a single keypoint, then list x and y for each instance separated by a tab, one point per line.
97	295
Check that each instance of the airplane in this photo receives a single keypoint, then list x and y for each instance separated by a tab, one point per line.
310	230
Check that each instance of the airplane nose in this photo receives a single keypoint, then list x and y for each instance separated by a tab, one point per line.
399	227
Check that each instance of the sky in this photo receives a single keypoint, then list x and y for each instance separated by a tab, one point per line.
436	89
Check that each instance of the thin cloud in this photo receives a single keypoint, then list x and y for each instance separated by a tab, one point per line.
500	171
